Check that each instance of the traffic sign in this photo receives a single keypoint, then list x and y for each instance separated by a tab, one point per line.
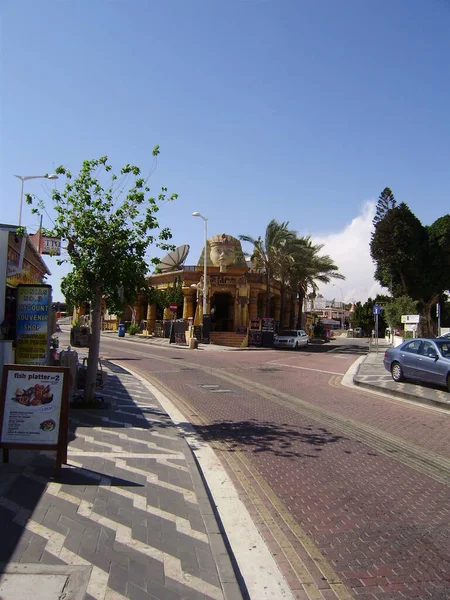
376	309
173	307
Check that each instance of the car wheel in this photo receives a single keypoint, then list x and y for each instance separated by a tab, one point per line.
397	371
448	382
296	346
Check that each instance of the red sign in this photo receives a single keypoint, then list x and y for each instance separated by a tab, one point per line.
173	307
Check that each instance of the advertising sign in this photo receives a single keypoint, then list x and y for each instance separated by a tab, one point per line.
33	323
34	410
32	407
410	318
51	245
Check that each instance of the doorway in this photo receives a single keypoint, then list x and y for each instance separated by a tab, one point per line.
222	316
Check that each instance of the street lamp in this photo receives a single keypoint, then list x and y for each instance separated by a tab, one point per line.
197	214
343	305
25	178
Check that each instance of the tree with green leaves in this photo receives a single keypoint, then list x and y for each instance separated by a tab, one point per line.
413	260
363	314
393	311
107	222
386	202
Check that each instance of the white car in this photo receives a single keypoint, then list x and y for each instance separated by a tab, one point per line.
291	338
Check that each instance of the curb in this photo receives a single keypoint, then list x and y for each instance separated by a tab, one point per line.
401	394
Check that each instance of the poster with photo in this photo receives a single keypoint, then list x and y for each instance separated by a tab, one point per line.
32	406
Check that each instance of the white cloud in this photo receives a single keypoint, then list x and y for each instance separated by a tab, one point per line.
350	251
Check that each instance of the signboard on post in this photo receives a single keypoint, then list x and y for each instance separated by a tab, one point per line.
34	408
173	307
410	319
50	245
33	316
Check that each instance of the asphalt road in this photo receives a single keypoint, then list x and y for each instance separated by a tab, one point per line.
350	490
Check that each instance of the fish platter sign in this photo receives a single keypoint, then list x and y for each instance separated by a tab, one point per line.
34	410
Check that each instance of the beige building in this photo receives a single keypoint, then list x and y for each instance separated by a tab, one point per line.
234	293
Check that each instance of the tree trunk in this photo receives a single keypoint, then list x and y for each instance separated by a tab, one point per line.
133	314
282	305
301	297
292	310
267	293
94	348
428	330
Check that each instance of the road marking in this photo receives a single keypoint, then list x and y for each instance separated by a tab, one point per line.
305	368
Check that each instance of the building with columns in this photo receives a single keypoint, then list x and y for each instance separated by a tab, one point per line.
235	293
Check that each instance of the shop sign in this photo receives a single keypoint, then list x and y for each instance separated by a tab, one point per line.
51	245
34	409
32	324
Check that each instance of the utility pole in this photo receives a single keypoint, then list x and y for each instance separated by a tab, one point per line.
438	314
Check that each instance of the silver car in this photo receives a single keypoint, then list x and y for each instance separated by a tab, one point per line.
292	338
421	359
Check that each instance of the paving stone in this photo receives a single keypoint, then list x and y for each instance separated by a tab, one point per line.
73	541
183	591
159	592
118	578
50	559
137	593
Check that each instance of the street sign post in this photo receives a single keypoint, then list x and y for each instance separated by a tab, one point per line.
376	312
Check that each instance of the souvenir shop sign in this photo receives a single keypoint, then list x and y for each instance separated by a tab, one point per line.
34	409
33	323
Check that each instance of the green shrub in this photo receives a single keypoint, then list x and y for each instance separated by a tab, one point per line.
133	329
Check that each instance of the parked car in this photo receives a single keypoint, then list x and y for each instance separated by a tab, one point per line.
444	336
421	359
292	338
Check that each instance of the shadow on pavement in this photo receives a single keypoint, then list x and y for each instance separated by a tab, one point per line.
23	481
267	437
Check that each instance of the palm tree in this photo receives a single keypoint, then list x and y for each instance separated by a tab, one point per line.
310	269
268	253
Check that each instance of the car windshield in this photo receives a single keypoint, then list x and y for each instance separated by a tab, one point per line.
288	333
444	348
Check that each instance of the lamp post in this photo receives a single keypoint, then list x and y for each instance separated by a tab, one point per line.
25	178
343	305
197	214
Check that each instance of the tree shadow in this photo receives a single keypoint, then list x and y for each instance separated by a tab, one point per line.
265	436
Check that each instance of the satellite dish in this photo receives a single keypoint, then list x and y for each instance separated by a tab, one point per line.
174	261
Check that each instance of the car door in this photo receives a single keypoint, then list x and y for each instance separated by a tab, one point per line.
428	368
408	358
432	366
302	338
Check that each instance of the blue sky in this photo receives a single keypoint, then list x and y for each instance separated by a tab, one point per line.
288	109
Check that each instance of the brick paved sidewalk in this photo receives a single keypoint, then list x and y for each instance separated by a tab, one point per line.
130	507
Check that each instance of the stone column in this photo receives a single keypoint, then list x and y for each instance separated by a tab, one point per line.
151	318
253	306
188	304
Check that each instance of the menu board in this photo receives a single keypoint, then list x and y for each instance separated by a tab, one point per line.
31	407
267	324
33	321
255	324
254	338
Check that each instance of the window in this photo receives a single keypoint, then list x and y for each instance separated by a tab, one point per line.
445	349
428	349
413	347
